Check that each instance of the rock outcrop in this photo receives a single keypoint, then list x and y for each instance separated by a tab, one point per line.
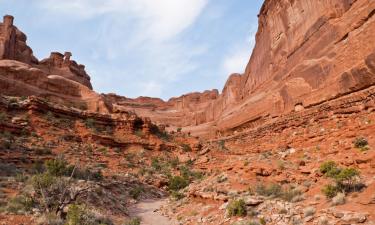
13	43
306	53
57	78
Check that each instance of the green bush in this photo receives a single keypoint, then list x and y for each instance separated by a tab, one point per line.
176	183
79	215
176	195
58	167
186	147
133	221
237	208
90	123
136	192
330	169
291	195
179	129
360	142
156	164
44	180
272	190
3	117
330	190
20	204
346	179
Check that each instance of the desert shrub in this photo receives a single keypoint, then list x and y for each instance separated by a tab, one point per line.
237	208
291	195
42	181
156	164
58	167
37	167
88	174
136	192
190	174
222	146
186	147
90	123
21	177
20	204
49	219
3	117
176	183
176	195
272	190
309	211
164	136
329	169
79	215
360	142
133	221
330	190
139	133
346	179
179	129
43	151
339	199
174	162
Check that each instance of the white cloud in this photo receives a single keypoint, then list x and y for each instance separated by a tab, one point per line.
159	19
149	30
238	58
151	89
236	62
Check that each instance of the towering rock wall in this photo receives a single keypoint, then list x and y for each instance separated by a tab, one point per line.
306	52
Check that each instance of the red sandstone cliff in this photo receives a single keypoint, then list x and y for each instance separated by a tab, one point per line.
306	52
57	78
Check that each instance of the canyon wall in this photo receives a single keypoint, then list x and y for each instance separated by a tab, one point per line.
306	53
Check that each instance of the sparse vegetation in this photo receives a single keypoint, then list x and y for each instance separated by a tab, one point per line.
309	211
79	215
90	123
133	221
3	117
272	190
176	195
339	199
361	143
186	147
237	208
136	192
176	183
346	179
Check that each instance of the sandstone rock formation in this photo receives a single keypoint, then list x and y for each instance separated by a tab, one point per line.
306	52
57	78
13	43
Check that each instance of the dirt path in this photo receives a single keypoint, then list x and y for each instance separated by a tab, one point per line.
148	211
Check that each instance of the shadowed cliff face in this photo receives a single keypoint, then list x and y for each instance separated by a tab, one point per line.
306	52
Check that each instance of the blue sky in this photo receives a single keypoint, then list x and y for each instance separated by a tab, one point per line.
158	48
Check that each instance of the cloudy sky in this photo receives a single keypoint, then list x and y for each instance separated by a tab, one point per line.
159	48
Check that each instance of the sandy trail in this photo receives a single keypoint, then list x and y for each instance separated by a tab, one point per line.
148	211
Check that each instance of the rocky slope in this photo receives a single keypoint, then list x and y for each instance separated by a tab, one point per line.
306	52
290	141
